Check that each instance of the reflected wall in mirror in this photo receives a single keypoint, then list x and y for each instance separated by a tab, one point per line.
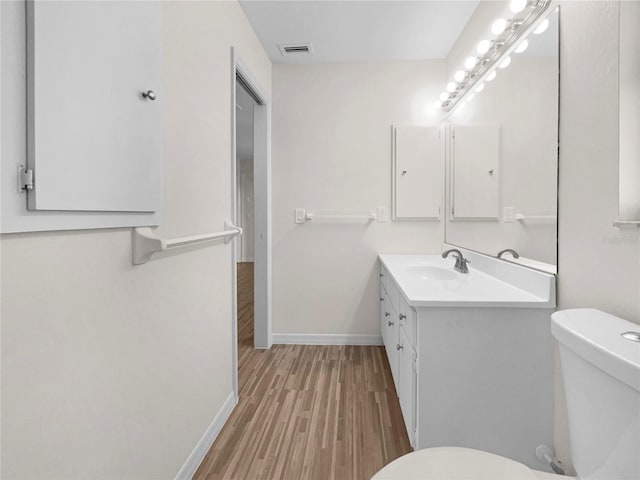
629	111
516	116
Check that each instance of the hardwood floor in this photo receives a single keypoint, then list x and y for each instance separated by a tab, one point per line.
306	412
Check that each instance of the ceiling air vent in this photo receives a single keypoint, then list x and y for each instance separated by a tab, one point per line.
296	49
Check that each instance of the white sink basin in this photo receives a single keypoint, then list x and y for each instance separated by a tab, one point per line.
432	272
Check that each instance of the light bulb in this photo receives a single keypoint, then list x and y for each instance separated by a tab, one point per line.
470	62
480	87
459	76
444	96
542	27
469	97
483	47
505	63
522	47
491	76
437	104
451	87
499	26
518	5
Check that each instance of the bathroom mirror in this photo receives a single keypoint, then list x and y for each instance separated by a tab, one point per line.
502	156
629	170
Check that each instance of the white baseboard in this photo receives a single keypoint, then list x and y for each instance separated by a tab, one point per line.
204	444
325	339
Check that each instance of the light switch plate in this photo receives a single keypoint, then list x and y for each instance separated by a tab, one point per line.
300	215
382	214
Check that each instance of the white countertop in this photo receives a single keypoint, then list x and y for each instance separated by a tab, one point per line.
486	285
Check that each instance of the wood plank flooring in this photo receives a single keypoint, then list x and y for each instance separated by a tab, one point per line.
306	412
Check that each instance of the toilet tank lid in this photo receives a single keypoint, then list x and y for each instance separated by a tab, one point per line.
596	336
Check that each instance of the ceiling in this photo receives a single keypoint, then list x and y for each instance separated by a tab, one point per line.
359	30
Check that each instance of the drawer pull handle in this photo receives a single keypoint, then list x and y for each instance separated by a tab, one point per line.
382	299
149	95
390	323
386	314
381	275
399	347
402	316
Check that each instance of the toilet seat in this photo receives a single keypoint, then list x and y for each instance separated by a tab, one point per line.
454	463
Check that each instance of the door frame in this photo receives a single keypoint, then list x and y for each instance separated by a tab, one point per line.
262	212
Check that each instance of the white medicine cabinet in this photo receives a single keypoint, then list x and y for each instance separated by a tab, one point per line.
418	172
93	107
475	172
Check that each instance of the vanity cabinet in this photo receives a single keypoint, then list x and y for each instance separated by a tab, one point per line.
468	375
397	325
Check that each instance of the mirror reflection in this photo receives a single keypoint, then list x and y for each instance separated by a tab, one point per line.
502	158
629	111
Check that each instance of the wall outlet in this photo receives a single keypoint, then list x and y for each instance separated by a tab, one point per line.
300	215
382	214
509	214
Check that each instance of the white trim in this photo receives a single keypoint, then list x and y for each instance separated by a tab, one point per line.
194	459
325	339
234	245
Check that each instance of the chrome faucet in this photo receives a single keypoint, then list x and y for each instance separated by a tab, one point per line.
508	250
461	262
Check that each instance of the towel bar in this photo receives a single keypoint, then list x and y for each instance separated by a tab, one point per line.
146	244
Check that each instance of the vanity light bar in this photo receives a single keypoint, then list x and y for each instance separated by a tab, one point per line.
478	68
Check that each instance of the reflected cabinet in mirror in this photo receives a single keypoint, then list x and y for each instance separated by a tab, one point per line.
502	153
629	113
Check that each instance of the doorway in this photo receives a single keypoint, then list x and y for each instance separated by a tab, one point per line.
251	210
245	105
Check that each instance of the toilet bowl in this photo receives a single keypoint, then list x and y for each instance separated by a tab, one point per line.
458	463
601	371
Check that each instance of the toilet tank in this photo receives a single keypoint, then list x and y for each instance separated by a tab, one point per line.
601	371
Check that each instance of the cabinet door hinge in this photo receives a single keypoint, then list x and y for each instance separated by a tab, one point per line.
25	178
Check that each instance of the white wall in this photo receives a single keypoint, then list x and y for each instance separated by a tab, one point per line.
332	154
111	370
598	264
629	110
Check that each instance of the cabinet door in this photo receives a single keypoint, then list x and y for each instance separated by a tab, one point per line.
94	141
391	342
418	172
475	169
407	384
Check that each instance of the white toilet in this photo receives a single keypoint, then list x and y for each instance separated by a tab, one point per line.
601	371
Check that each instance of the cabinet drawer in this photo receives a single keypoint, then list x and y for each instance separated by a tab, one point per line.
383	275
393	294
407	318
384	314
